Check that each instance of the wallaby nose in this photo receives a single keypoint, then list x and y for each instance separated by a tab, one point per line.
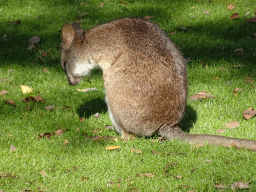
73	81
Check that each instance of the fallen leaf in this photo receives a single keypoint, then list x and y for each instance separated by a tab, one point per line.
193	7
200	95
6	175
45	70
234	16
205	12
47	135
12	148
49	108
43	174
59	132
232	124
177	176
10	102
240	185
15	22
221	130
122	2
217	78
34	40
84	178
26	89
133	150
81	119
3	92
147	175
148	17
251	20
235	66
231	6
173	32
112	147
249	113
249	80
154	152
66	142
236	91
220	187
87	89
34	99
101	5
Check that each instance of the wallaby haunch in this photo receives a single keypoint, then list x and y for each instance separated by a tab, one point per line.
144	75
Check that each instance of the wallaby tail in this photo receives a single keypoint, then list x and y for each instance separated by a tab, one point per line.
219	140
177	133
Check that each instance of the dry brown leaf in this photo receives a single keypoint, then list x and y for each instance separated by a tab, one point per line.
138	151
10	102
221	130
59	132
251	20
101	5
236	91
249	80
66	142
12	148
231	6
45	70
177	176
147	175
148	17
173	32
81	119
220	187
205	12
87	89
235	66
154	152
15	22
122	2
217	78
232	124
3	92
49	108
112	147
249	113
84	178
240	185
200	95
234	16
43	173
34	99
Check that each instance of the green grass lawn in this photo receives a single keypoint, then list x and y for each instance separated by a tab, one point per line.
76	159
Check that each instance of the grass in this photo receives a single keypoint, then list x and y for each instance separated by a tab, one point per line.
77	161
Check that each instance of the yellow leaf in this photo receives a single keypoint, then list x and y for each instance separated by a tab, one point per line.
26	89
112	147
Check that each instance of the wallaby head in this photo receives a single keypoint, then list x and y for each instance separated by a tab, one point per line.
144	75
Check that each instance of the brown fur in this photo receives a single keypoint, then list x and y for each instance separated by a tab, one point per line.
144	75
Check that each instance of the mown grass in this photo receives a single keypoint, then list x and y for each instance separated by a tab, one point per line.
76	161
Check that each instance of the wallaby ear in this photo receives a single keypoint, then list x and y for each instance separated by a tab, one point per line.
68	34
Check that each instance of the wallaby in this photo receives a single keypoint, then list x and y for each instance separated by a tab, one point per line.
144	75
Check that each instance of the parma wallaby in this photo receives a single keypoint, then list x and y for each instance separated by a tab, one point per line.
144	75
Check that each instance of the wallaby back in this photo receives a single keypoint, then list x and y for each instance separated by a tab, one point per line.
144	75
